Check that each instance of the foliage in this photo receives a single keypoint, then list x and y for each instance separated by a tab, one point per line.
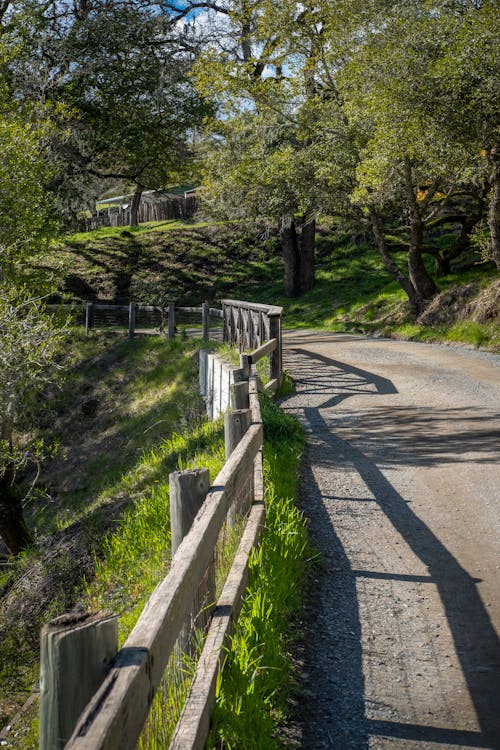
113	77
26	212
29	342
338	108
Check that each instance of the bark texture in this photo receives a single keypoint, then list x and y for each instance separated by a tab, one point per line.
134	208
13	528
494	219
298	255
424	286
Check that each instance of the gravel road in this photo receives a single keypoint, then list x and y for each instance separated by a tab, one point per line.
401	486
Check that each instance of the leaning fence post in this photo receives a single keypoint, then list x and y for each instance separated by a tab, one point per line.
76	653
236	424
188	490
131	319
205	318
171	320
89	317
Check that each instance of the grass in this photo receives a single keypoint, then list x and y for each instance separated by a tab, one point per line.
137	555
100	510
256	683
149	226
353	292
143	389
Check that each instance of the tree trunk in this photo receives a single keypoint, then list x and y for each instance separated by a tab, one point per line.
134	208
424	286
307	252
13	529
390	265
291	257
494	218
443	265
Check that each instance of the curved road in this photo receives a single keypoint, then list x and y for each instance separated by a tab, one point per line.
401	486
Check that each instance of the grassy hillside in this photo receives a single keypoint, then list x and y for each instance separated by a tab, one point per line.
127	414
353	292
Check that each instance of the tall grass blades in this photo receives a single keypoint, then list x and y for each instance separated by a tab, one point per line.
257	677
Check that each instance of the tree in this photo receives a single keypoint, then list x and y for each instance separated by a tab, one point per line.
410	171
467	104
257	166
28	338
115	75
26	211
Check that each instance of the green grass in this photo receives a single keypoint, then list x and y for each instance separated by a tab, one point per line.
149	226
257	679
191	262
137	555
104	497
144	387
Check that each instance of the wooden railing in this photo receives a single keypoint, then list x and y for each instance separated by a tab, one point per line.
249	326
114	715
246	325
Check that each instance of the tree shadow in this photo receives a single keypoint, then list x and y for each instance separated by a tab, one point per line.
334	713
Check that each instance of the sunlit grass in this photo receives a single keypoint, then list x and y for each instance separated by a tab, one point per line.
257	678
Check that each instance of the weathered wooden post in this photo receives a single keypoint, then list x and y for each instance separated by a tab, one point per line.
89	317
188	490
205	319
76	653
171	320
236	423
275	333
239	395
245	365
131	319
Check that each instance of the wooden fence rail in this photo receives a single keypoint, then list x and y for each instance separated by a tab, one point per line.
247	325
114	715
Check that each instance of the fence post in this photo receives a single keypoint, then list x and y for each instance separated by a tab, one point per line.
245	365
188	490
276	355
205	318
236	423
89	317
76	653
131	319
239	395
171	320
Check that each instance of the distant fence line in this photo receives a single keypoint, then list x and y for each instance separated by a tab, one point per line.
246	325
96	696
165	209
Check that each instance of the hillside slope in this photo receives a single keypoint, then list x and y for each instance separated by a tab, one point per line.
192	262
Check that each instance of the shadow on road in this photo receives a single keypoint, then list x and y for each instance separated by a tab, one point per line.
337	699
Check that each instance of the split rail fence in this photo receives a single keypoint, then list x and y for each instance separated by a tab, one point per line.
95	696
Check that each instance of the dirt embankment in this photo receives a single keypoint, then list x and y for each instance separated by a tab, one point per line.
471	301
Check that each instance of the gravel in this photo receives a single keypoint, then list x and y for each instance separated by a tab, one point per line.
400	485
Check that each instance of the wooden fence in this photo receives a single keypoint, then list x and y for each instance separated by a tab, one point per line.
93	696
166	209
247	325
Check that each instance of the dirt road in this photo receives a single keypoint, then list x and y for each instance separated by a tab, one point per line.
401	485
